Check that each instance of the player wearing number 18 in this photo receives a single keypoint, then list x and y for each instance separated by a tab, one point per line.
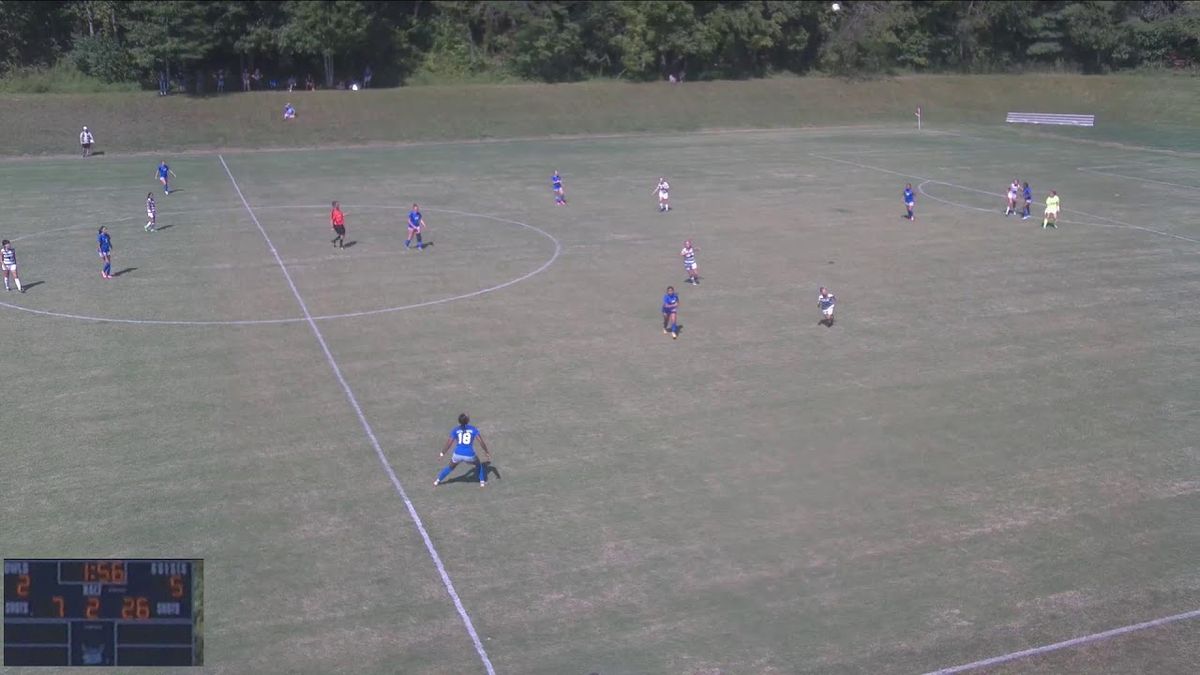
462	438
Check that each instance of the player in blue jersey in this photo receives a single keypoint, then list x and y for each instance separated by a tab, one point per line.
164	176
416	225
1028	194
104	248
560	196
670	310
826	302
910	201
151	213
462	438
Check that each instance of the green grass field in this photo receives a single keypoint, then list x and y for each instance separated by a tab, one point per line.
993	449
1160	112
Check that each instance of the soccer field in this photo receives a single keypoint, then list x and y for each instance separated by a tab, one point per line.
993	449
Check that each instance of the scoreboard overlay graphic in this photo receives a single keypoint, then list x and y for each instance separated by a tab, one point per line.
103	612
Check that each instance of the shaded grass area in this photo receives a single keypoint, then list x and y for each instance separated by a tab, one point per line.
1152	111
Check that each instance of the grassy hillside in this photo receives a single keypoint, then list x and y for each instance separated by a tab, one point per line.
1154	111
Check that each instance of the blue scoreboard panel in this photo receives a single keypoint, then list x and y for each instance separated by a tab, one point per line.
137	612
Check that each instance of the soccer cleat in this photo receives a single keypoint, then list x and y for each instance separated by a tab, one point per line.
483	483
21	289
665	331
436	482
674	336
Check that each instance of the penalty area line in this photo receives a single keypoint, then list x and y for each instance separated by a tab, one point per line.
367	429
1065	644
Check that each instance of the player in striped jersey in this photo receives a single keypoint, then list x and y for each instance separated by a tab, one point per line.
664	195
8	261
151	213
1013	191
689	263
826	302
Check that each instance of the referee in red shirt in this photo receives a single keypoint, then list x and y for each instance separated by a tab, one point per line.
338	220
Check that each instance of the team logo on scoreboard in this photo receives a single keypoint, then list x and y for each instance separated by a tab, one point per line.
93	655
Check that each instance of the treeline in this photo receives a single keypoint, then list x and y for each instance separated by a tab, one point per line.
135	41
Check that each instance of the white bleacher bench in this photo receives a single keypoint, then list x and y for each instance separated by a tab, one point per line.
1051	118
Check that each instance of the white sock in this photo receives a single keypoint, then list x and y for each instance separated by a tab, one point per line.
18	280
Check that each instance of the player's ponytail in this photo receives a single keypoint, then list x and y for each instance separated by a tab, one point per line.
463	420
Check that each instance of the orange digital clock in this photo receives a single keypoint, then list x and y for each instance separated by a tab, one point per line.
104	572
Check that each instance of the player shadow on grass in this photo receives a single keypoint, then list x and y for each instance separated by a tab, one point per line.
472	476
124	271
32	284
160	228
348	244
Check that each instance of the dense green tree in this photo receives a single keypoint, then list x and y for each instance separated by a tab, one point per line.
563	40
327	28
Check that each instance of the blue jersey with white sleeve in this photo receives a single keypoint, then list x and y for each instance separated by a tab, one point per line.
909	197
464	439
556	181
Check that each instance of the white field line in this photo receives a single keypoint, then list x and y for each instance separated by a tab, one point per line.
1115	223
323	317
1088	169
362	418
1065	644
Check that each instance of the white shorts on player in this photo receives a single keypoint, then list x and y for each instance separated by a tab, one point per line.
664	195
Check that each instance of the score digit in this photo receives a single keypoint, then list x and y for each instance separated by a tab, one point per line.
62	606
22	585
93	608
176	586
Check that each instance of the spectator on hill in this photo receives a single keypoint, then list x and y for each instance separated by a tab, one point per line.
257	77
221	81
163	85
245	79
367	75
289	111
291	83
309	84
85	142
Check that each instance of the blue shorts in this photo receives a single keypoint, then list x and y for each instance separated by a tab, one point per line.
104	251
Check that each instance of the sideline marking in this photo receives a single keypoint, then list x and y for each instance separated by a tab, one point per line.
1073	642
323	317
1095	170
362	418
1115	223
